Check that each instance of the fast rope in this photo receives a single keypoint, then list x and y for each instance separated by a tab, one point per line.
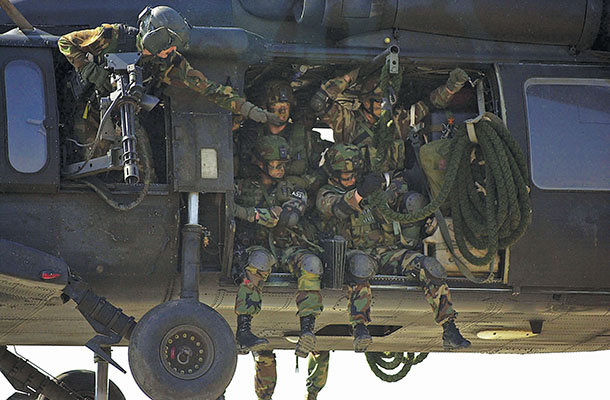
391	361
384	131
486	184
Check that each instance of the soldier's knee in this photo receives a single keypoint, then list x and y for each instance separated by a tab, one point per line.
261	259
312	264
433	269
360	267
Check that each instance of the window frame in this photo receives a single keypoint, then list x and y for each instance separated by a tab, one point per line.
538	81
45	103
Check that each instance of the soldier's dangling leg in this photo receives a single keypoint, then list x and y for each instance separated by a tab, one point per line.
307	268
360	268
265	377
248	301
432	279
317	370
431	275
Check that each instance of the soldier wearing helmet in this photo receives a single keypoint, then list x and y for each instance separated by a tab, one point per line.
378	245
355	122
306	145
161	35
273	235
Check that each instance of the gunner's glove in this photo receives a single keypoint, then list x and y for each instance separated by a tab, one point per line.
257	114
96	74
457	78
371	183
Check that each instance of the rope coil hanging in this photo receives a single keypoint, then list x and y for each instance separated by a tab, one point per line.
486	185
391	361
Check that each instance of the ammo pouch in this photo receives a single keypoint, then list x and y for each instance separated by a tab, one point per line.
334	262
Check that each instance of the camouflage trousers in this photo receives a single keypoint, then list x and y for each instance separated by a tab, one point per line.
266	373
295	260
265	377
317	370
402	262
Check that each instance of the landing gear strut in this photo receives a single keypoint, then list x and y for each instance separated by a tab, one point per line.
182	348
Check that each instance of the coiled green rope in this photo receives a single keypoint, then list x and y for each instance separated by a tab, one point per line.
391	361
486	184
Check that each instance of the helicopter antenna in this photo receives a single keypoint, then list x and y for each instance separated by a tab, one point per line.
16	16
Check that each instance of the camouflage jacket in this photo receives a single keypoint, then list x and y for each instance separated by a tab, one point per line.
364	227
306	148
258	211
350	125
174	70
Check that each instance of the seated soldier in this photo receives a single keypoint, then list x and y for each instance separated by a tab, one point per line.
305	144
269	209
377	245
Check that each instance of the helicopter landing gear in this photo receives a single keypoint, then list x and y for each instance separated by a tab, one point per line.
83	383
182	348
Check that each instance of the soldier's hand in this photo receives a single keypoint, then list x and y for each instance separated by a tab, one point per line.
268	217
96	74
257	114
457	78
370	184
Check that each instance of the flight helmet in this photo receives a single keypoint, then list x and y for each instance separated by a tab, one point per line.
162	27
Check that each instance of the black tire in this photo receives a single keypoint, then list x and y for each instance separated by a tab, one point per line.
182	349
82	382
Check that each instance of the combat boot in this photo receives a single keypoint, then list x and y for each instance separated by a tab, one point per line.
245	338
452	338
362	338
307	339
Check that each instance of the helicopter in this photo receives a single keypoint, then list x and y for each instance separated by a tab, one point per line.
159	249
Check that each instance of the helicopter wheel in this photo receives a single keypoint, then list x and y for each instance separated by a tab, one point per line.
82	383
182	349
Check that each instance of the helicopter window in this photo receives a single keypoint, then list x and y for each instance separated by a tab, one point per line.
569	133
27	135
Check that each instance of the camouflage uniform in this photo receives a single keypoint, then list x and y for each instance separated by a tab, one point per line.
384	243
351	125
266	373
306	146
269	211
288	246
174	70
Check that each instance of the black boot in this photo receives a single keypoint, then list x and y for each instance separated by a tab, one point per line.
452	338
245	338
307	339
362	338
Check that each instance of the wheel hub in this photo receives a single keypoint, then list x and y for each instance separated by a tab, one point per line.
187	352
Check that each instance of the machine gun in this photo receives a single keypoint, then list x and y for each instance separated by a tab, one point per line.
128	97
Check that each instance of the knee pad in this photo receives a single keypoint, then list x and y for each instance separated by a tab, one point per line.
360	267
261	259
433	268
312	264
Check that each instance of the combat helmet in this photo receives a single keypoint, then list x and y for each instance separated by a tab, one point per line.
272	148
341	158
277	91
162	27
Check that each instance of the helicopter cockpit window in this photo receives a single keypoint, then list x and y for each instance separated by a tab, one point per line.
27	136
569	133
